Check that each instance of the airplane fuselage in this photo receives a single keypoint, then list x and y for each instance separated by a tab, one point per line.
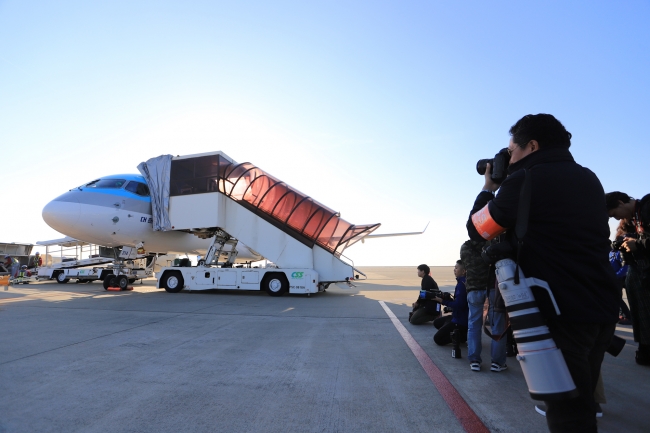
116	211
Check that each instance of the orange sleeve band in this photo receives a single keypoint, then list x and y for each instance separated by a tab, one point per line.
485	225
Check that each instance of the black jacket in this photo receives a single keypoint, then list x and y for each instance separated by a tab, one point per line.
643	243
430	285
567	242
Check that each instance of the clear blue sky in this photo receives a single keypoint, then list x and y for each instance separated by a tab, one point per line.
377	109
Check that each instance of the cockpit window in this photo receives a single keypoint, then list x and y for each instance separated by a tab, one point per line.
106	183
138	188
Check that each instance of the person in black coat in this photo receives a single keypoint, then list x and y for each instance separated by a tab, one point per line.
567	245
636	252
425	310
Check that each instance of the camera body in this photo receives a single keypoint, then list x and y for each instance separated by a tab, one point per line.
617	245
494	252
626	257
426	295
499	166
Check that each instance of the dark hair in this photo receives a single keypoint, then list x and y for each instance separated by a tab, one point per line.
544	128
612	199
624	227
460	262
424	268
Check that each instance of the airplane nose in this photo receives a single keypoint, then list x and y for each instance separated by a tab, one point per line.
62	213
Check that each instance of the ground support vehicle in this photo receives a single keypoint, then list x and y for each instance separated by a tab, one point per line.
211	196
64	275
127	268
274	281
85	263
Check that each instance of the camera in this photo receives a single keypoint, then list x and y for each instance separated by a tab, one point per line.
617	245
426	295
542	363
499	166
494	252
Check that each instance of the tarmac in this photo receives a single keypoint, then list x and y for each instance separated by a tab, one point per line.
76	358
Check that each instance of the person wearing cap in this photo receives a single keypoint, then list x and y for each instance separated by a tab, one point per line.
37	261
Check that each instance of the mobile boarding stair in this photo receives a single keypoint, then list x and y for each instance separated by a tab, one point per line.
212	196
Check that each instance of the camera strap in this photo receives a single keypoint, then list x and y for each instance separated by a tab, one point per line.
521	227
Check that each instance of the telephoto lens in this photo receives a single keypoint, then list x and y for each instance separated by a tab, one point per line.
455	341
541	361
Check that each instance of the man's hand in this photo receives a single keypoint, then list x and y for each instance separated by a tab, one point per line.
629	245
438	300
490	185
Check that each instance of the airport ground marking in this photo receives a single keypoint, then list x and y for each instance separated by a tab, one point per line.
465	415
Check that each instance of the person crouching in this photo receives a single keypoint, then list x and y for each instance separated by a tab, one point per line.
460	311
425	310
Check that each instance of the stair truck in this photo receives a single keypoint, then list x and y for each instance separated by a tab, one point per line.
212	196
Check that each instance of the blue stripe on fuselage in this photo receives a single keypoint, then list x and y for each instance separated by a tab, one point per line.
119	192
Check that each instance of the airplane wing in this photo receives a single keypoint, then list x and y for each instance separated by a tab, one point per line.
388	235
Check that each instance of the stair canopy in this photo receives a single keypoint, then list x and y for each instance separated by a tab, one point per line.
285	207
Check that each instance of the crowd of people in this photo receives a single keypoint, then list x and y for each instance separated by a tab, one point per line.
550	216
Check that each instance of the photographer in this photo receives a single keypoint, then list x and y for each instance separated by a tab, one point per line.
425	309
566	244
636	253
459	312
480	286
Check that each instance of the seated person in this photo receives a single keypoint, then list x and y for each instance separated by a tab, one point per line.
425	310
460	311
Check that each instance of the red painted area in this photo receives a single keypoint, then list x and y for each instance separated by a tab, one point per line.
466	416
117	289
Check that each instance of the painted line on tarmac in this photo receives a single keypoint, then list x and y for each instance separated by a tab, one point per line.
466	416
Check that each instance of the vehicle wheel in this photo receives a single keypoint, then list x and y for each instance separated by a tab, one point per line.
275	284
173	282
122	282
61	279
131	280
109	281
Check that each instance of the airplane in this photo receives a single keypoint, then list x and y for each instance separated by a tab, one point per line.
115	211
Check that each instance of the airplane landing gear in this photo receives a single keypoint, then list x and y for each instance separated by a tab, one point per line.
122	282
109	281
